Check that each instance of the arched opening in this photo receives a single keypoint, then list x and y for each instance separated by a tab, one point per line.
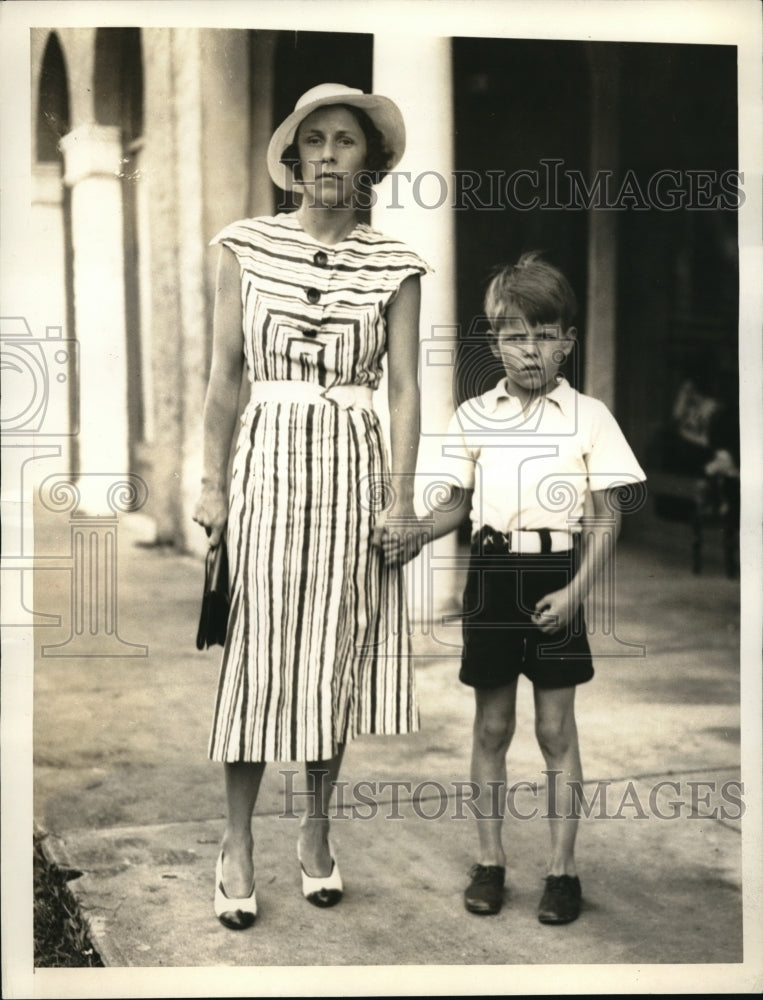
52	104
118	101
52	208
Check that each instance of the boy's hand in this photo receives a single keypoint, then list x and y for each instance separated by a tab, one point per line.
401	545
555	611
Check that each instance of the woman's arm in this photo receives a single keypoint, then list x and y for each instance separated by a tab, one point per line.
402	365
221	405
403	545
396	530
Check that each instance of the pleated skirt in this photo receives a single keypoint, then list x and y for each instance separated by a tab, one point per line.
318	644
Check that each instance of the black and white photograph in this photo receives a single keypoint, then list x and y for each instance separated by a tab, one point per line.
382	434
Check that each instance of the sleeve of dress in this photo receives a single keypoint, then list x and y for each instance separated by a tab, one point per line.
240	237
403	263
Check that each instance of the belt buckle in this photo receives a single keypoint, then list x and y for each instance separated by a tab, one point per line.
498	543
334	394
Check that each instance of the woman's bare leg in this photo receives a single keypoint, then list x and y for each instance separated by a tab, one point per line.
242	782
314	828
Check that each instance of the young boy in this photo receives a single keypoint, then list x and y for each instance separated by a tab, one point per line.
539	464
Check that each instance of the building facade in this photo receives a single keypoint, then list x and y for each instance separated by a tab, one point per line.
616	159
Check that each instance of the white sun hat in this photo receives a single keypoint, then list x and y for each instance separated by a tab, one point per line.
382	111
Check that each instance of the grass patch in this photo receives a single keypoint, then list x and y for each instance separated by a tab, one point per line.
61	938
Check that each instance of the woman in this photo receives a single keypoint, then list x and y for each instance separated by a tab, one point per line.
316	650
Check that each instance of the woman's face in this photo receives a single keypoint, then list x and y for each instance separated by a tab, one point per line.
332	151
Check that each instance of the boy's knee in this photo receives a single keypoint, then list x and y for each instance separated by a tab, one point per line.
492	732
555	736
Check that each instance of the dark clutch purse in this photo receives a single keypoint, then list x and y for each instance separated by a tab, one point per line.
215	604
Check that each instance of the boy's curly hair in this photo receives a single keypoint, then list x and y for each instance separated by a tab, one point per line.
534	287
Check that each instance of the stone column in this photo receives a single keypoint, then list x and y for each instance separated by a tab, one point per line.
188	85
415	206
45	302
214	115
93	161
160	188
48	303
39	364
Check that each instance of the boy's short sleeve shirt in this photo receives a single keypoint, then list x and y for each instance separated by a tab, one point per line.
534	470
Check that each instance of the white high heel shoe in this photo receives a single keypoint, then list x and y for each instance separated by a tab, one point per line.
236	914
322	890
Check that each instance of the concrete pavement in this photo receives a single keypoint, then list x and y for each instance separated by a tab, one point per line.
127	797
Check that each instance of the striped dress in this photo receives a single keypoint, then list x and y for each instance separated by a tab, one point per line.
318	645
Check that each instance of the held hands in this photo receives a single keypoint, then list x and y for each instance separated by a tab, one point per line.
555	611
399	534
211	512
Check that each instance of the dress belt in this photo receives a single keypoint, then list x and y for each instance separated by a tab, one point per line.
488	541
294	391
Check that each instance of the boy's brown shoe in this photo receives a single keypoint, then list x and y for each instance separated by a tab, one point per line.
560	903
484	894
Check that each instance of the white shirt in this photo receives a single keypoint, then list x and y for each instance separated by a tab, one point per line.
535	470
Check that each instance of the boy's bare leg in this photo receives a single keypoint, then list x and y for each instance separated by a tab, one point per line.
494	723
557	736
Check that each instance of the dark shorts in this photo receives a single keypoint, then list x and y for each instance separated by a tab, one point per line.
500	641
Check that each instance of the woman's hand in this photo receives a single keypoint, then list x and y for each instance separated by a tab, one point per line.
399	534
211	512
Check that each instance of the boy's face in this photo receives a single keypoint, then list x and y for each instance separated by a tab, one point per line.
531	355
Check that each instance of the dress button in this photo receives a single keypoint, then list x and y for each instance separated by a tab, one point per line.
321	258
313	295
311	333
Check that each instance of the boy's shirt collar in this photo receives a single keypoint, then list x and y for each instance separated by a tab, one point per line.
561	394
